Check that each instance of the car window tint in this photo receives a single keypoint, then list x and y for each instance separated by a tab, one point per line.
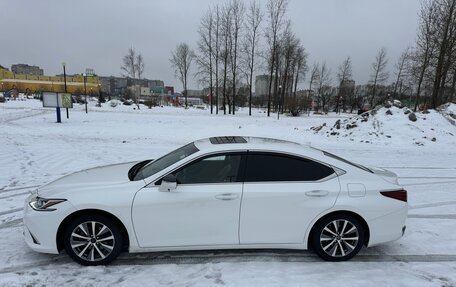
212	169
273	167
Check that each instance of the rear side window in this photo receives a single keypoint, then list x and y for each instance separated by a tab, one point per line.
275	167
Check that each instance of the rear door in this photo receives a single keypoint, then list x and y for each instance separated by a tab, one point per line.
282	195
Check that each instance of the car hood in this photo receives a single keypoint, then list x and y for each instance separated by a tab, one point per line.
385	174
88	179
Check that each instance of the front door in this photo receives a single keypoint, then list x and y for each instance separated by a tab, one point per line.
202	210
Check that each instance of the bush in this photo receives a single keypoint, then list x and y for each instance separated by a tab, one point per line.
150	103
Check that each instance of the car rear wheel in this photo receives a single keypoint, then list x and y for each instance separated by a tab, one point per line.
93	240
338	237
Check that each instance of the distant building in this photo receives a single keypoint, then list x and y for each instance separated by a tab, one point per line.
170	90
195	93
25	69
24	83
191	101
116	86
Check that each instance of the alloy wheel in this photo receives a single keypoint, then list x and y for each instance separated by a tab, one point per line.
339	238
92	241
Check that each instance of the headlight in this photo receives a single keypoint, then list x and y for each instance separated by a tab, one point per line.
43	204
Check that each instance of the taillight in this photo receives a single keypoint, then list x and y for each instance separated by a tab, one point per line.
396	194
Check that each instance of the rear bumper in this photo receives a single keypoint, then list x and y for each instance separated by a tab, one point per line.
387	228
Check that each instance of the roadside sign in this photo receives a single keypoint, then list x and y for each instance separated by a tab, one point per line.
57	100
65	100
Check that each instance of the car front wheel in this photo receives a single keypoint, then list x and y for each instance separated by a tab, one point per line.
93	240
338	237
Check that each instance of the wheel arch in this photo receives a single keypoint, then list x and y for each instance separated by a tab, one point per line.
62	227
344	212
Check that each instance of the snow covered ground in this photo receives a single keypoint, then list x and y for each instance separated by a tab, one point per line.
35	150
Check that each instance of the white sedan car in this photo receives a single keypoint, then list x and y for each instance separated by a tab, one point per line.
219	193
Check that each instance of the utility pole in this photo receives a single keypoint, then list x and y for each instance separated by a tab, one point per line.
85	89
64	79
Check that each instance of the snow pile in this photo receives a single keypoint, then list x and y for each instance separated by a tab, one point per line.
449	112
392	124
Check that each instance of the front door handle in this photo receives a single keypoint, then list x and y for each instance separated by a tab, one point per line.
227	196
317	193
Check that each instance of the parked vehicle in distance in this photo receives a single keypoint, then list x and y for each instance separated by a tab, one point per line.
219	193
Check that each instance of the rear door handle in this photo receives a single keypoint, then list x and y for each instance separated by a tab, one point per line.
317	193
227	196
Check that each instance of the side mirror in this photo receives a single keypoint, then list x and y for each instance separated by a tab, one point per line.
168	183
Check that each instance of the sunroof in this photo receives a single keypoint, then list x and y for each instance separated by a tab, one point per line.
227	140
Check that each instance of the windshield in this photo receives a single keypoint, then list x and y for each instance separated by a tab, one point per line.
165	161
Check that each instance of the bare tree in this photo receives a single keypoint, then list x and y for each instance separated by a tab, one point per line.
379	73
344	74
425	47
132	67
300	69
129	63
237	10
445	37
216	54
401	67
275	11
226	26
314	75
323	83
205	56
254	18
289	44
139	71
181	60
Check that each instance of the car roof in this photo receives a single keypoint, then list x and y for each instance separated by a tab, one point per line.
222	143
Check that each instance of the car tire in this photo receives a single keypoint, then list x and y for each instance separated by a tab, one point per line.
93	240
337	237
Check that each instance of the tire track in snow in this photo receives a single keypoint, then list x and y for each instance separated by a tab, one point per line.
416	167
14	195
10	211
426	205
433	216
11	223
15	118
425	183
242	256
18	188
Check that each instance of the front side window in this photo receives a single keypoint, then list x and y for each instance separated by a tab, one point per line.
166	161
220	168
275	167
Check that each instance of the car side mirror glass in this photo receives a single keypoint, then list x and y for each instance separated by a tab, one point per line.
168	183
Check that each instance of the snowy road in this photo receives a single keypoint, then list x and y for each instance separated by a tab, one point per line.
35	150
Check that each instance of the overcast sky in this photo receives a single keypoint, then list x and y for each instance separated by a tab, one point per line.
95	34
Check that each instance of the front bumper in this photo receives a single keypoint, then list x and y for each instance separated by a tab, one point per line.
40	227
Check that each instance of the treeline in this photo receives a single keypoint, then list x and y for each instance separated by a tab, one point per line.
239	39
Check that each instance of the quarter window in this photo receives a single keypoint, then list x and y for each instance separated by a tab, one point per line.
275	167
212	169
